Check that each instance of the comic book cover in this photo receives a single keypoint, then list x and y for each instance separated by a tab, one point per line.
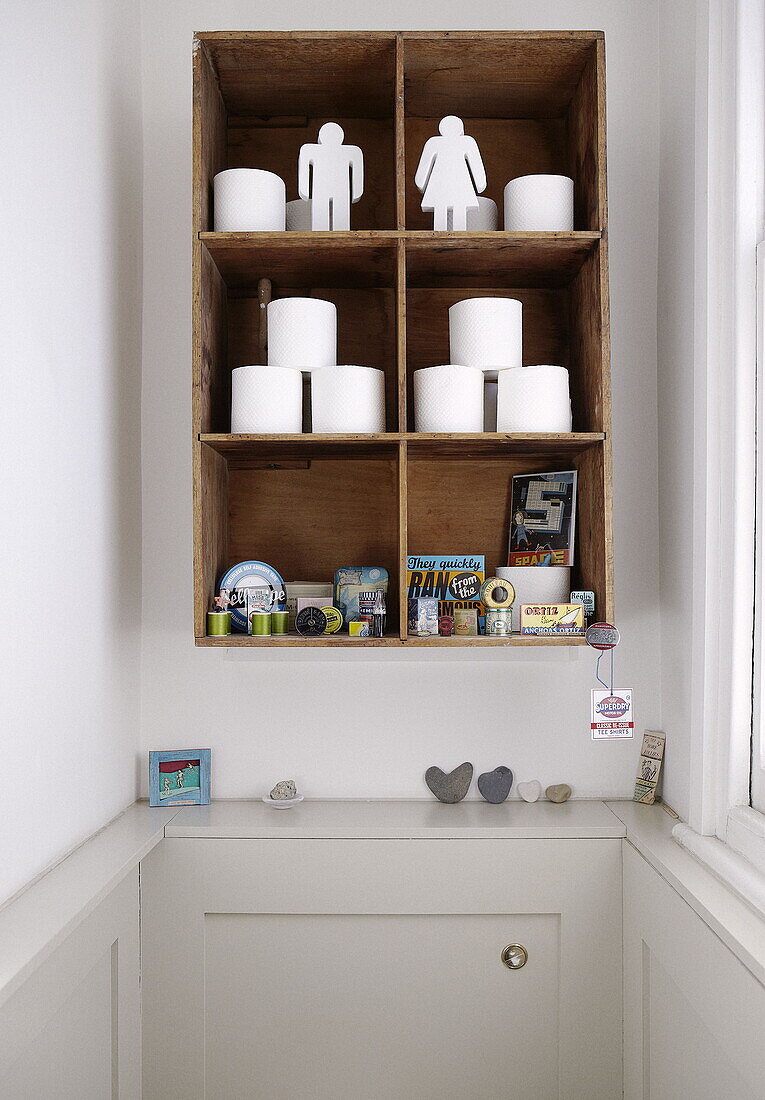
454	580
543	519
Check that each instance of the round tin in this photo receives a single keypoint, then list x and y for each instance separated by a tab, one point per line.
602	636
497	594
334	620
260	624
499	623
253	574
279	622
446	625
218	624
310	622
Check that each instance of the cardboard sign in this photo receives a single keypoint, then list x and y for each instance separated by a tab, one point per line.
552	618
612	716
649	767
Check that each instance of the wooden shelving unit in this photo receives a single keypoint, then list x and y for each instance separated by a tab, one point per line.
311	503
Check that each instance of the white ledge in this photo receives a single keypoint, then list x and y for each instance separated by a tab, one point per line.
36	921
390	819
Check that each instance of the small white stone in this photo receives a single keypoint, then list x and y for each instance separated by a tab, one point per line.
530	790
285	788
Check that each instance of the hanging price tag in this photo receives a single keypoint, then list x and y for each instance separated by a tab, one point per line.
612	716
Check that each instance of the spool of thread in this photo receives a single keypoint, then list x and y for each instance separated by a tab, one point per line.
534	399
543	584
539	203
248	200
448	398
486	333
260	624
497	593
485	218
347	398
299	215
302	333
279	622
266	399
218	624
499	622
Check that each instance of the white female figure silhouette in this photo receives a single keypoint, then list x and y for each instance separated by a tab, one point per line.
451	175
331	175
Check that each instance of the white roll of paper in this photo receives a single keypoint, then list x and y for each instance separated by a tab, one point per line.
299	214
266	399
248	200
347	398
539	203
302	333
543	584
448	398
486	217
534	399
486	333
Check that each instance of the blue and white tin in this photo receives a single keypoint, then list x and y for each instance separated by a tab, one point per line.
260	581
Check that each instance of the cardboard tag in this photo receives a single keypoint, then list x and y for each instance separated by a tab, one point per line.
649	767
612	715
553	618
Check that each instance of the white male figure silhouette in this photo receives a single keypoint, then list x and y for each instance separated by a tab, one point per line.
331	175
450	174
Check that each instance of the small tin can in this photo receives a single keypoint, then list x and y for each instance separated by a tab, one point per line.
334	619
218	624
465	621
498	622
446	625
260	624
280	622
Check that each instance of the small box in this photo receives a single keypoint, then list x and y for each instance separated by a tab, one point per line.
552	619
423	616
587	600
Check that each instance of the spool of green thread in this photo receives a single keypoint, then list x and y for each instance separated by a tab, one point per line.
279	622
218	624
261	624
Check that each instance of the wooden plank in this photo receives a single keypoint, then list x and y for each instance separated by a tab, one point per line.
400	136
402	536
210	508
208	137
473	260
448	445
401	338
244	641
296	260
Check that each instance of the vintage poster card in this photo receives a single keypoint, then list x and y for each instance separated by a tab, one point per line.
649	767
612	715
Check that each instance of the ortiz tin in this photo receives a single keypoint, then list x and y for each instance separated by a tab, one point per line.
498	622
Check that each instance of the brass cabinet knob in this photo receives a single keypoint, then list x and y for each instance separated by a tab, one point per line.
514	956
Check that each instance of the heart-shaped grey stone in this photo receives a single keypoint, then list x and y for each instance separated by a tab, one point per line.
559	792
495	786
450	786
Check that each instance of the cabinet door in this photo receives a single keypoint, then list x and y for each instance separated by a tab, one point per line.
366	969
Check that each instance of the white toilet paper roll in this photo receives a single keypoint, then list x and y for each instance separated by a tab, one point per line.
302	333
486	333
266	399
248	200
347	398
299	214
541	203
448	398
536	584
534	399
490	406
486	217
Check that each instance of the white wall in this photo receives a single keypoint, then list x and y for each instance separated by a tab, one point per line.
341	726
70	422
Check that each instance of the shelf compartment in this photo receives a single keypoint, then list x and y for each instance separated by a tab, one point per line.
533	102
462	505
302	511
470	259
265	95
358	275
564	319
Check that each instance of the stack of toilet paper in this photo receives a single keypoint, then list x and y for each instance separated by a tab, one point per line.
485	387
302	341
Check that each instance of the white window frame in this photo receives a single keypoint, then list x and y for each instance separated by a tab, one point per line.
729	180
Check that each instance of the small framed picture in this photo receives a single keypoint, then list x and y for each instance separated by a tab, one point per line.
179	777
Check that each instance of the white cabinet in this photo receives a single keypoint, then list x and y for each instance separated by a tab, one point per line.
357	968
